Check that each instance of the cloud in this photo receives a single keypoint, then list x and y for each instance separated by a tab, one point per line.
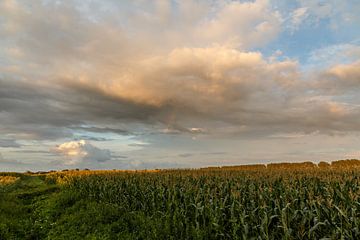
82	68
76	152
6	161
88	70
185	81
102	130
340	80
197	130
346	75
298	16
33	151
9	143
337	13
331	55
34	111
236	92
164	72
353	155
244	24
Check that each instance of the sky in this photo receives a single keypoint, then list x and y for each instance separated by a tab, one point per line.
177	84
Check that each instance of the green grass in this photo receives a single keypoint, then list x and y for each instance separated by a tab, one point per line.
18	205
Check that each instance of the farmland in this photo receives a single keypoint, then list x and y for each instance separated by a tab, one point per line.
278	201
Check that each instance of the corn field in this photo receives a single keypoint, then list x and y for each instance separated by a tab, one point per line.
6	180
225	203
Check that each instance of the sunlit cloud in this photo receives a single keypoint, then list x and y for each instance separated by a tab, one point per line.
76	152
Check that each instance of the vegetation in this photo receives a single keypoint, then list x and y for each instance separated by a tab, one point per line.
6	180
278	201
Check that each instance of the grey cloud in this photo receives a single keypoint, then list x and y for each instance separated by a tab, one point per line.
76	152
215	153
9	161
185	155
119	156
98	139
28	151
94	153
42	112
137	144
9	143
103	130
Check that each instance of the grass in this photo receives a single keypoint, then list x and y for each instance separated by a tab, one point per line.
19	202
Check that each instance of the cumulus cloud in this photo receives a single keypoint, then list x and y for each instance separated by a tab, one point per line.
185	85
76	152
